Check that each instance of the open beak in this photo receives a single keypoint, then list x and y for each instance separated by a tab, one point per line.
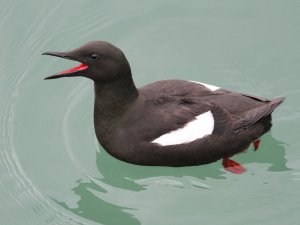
73	72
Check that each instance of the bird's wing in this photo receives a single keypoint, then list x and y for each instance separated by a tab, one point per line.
169	119
169	107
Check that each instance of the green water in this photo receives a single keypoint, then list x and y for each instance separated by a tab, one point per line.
52	170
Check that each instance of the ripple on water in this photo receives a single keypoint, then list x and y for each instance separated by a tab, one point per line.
18	186
76	97
17	190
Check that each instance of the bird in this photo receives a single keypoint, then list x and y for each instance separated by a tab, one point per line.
171	123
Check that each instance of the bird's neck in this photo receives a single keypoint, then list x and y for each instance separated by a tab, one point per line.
113	98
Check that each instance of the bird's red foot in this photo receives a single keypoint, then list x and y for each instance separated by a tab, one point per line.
256	144
233	166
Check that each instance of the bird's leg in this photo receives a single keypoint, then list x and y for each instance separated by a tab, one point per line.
256	144
233	166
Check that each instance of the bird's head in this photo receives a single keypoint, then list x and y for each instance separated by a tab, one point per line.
100	61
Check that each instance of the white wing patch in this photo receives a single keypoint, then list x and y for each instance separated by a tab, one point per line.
209	86
202	125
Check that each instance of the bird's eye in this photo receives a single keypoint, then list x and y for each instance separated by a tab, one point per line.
94	56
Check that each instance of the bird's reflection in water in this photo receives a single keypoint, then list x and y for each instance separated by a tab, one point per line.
123	176
271	152
92	207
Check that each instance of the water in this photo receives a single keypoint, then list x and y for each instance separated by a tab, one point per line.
52	170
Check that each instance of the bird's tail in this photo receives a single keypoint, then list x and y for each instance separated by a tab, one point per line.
276	102
254	115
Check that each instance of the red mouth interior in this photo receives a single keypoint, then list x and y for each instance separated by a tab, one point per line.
75	69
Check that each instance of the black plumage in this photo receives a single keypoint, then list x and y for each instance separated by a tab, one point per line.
128	119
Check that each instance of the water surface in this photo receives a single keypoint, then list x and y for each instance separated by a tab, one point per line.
53	171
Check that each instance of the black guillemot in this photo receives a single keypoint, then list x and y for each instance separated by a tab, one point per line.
169	122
